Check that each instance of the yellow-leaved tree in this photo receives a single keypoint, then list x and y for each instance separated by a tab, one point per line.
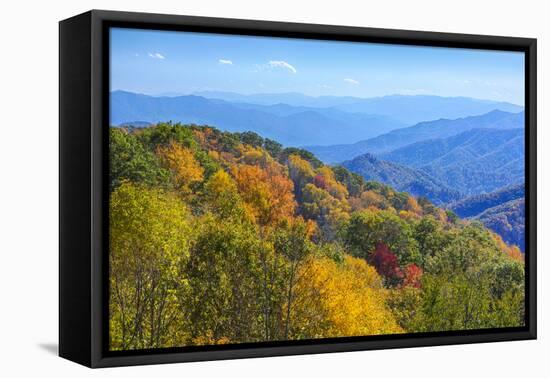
301	173
182	164
149	244
336	299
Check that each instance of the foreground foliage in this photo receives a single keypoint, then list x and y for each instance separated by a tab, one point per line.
222	237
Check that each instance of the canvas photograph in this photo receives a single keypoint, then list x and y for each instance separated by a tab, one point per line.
266	189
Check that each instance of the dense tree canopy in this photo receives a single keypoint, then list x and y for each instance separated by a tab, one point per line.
220	237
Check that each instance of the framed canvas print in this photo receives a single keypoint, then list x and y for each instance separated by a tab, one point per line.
234	188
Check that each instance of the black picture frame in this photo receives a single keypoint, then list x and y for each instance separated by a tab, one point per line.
83	194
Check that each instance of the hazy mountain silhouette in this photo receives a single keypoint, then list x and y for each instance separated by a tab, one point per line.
442	128
291	126
408	109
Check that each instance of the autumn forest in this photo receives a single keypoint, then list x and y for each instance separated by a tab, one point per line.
221	237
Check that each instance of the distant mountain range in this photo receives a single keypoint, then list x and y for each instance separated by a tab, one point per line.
422	131
358	123
289	98
473	162
291	126
402	178
503	211
294	119
403	108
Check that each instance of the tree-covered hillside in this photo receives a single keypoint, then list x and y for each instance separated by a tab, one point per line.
508	220
475	205
402	178
475	161
219	237
502	211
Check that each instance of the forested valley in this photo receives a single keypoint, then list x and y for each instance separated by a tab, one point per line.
221	238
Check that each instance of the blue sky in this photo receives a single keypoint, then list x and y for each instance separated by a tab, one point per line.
159	62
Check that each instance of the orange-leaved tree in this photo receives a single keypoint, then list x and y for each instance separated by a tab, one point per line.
184	168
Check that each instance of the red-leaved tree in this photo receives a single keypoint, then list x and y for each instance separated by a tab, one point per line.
320	181
412	274
386	264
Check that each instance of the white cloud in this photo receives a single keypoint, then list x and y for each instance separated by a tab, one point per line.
282	64
351	81
156	56
225	61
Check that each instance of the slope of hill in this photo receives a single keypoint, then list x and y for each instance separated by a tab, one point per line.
288	125
503	211
473	162
442	128
408	109
475	205
471	143
507	220
239	240
402	178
